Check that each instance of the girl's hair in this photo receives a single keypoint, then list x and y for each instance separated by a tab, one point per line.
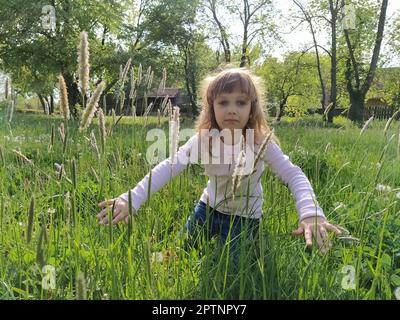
227	81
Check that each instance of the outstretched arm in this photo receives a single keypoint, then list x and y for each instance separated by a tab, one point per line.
312	220
296	180
161	174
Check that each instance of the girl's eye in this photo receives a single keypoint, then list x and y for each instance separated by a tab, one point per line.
224	102
241	103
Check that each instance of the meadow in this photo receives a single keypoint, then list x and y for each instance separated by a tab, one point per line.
51	246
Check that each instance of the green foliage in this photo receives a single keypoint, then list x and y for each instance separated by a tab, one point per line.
386	86
294	81
35	56
113	264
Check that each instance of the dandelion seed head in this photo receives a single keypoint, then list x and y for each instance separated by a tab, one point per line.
383	188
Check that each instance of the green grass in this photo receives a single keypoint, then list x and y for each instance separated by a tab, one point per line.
106	263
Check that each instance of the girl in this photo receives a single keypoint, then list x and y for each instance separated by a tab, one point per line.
232	102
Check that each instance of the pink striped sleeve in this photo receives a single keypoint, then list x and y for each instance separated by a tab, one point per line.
295	179
161	174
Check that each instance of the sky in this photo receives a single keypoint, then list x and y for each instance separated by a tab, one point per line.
301	36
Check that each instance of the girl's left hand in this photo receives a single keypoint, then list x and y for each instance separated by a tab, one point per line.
316	226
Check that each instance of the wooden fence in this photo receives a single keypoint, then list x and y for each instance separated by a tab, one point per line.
379	112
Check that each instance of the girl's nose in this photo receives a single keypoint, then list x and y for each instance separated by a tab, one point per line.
232	110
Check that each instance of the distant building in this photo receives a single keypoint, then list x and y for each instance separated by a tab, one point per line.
175	95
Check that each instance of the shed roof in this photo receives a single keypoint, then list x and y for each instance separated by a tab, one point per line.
170	92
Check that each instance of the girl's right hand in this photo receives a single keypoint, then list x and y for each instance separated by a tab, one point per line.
121	211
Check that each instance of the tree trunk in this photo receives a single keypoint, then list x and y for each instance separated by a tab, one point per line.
356	111
245	43
217	55
193	96
224	37
73	93
281	110
333	97
358	92
51	106
110	101
46	99
190	81
42	102
244	49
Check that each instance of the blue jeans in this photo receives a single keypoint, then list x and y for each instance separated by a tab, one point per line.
228	227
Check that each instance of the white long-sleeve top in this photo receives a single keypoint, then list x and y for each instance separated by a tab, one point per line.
218	192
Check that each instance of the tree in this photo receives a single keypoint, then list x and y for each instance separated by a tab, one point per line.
35	56
334	12
386	86
256	17
172	23
291	83
212	7
359	74
327	13
309	19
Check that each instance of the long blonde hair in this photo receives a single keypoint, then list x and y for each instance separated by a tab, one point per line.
226	81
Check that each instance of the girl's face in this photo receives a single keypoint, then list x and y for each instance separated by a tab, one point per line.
232	110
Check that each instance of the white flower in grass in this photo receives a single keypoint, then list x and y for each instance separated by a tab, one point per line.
398	195
397	293
106	297
382	188
157	257
58	167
